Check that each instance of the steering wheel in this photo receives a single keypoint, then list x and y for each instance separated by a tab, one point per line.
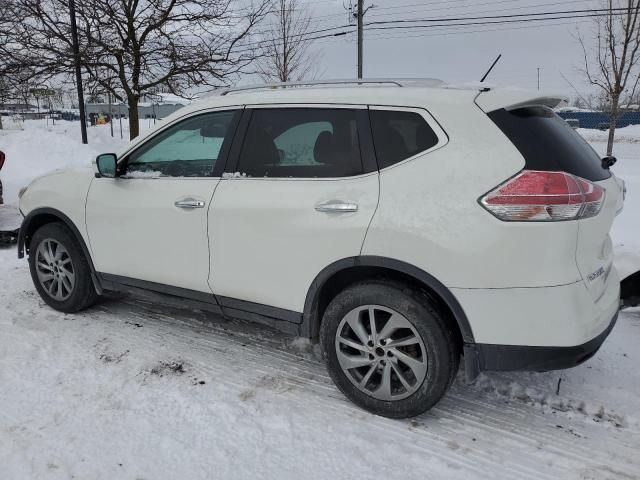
177	168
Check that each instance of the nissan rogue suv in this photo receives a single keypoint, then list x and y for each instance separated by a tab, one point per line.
404	225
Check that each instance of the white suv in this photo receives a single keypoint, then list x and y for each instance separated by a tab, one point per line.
401	224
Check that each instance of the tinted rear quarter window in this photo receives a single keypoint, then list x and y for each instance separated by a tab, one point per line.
548	143
398	135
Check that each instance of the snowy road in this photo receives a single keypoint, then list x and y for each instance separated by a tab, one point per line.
129	390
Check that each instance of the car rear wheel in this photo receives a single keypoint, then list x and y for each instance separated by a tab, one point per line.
59	269
388	349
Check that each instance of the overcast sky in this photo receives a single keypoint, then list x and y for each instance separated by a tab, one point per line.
459	54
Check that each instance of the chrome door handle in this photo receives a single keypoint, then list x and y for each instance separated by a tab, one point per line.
336	206
189	203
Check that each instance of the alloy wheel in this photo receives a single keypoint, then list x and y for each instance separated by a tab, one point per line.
381	352
54	269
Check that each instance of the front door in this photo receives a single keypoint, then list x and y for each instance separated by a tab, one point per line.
151	223
304	193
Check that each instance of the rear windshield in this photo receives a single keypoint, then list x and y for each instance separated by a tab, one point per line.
548	143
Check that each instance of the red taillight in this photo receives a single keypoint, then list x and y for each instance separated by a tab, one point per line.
544	196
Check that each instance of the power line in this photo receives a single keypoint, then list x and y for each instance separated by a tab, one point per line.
450	4
497	22
444	22
449	8
426	4
460	31
600	11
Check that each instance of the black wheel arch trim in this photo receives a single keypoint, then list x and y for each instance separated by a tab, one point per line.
24	228
310	325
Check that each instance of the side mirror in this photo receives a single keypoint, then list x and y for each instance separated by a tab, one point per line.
107	164
609	161
2	157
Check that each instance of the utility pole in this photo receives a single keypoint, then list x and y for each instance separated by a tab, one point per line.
538	78
359	14
76	59
120	117
110	115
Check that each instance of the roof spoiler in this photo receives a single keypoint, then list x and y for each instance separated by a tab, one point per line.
511	99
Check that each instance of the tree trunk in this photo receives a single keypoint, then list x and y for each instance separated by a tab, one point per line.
134	121
613	118
1	121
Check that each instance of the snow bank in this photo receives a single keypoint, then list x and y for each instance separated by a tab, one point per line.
40	148
630	134
626	227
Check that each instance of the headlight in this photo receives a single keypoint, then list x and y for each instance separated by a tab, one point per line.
21	192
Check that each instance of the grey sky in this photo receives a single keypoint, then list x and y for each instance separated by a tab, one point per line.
459	54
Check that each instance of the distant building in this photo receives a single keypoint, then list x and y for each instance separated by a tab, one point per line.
17	107
158	106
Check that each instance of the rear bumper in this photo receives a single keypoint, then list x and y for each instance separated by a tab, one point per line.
538	359
537	329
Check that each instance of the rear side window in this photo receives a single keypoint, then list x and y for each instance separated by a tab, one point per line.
302	143
399	135
548	143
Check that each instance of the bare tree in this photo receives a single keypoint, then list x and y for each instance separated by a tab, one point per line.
131	47
613	66
6	25
5	94
287	55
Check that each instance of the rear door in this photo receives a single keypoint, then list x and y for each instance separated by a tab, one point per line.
299	196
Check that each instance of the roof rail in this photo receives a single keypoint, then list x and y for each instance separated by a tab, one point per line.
394	82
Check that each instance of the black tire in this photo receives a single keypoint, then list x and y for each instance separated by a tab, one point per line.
83	294
442	353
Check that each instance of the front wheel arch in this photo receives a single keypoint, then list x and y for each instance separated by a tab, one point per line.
43	216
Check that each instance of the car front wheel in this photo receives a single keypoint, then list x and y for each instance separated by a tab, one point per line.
388	349
60	270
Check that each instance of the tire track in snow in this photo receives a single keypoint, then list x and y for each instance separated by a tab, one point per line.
513	439
461	409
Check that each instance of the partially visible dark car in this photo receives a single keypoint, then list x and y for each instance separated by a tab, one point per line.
2	157
573	122
603	126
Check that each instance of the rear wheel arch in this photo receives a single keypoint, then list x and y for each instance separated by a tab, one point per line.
630	290
43	216
338	275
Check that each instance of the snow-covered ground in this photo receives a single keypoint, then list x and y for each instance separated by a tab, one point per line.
40	147
626	229
135	390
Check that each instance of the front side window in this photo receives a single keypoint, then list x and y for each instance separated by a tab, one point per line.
301	142
188	149
398	135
